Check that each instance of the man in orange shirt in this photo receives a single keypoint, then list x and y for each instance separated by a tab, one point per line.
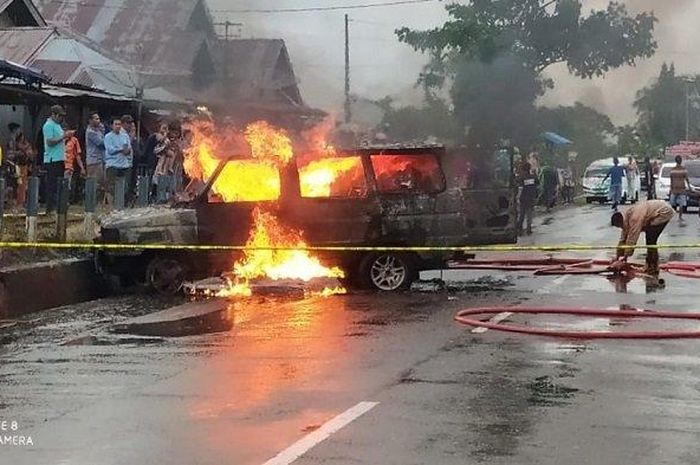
74	155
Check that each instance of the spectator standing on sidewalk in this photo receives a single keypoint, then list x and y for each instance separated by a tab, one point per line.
95	154
20	150
680	185
73	158
528	197
550	183
650	182
118	158
129	126
568	185
615	173
54	154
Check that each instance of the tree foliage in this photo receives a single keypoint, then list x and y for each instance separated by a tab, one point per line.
591	131
541	33
492	54
433	119
661	109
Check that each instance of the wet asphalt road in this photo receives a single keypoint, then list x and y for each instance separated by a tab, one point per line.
445	395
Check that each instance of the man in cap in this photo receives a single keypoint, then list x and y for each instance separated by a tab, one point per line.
650	216
54	153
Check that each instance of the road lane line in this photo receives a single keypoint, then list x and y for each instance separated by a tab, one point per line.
302	446
495	319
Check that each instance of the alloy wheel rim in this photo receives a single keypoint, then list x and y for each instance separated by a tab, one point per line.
388	273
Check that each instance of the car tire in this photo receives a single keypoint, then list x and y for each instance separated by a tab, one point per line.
388	272
165	275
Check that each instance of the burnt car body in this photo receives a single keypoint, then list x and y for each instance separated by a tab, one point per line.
391	197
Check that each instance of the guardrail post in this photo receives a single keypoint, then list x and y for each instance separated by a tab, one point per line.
144	187
119	193
62	217
32	208
3	192
90	207
164	183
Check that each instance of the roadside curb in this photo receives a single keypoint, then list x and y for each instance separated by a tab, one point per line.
40	286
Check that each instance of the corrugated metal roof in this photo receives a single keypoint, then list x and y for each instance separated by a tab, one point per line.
22	44
60	71
258	68
141	31
62	91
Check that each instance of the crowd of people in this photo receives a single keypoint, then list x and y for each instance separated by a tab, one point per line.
107	153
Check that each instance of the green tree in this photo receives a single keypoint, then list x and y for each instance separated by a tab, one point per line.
433	118
591	131
661	109
491	54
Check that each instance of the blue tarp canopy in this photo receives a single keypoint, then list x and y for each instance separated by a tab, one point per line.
556	139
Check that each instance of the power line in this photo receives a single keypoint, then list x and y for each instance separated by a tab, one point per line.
250	10
327	8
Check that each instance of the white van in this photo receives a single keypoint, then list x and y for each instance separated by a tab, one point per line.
597	190
663	184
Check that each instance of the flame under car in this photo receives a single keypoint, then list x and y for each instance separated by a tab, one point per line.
379	198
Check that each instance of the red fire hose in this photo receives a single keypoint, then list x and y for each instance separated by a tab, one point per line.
465	317
683	269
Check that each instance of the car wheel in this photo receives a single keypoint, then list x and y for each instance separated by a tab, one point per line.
388	272
165	275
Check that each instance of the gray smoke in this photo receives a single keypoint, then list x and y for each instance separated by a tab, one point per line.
381	66
614	93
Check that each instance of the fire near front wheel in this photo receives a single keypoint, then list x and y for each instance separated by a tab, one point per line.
388	272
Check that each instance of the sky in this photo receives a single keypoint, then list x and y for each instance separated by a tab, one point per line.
382	66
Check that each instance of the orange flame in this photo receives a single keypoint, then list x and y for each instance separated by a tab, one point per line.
273	250
319	177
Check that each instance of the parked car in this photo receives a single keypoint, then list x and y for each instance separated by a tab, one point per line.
378	207
663	187
597	190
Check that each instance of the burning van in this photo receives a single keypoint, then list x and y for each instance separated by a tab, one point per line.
373	199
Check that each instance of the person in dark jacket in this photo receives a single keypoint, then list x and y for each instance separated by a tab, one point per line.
550	182
528	197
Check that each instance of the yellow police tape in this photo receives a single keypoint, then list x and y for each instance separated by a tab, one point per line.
223	248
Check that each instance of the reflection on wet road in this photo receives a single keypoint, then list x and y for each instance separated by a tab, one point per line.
445	395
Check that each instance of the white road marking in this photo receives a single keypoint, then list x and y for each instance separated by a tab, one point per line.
305	444
495	319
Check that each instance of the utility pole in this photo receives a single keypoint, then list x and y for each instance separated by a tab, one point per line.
687	110
227	37
348	112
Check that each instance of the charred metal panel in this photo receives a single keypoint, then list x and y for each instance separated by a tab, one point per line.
335	221
153	225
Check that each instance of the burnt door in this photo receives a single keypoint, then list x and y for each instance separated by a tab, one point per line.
335	205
